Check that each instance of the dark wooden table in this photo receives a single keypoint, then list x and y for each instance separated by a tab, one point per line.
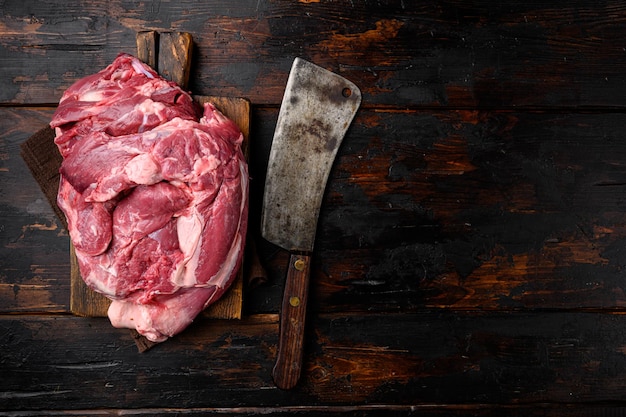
471	252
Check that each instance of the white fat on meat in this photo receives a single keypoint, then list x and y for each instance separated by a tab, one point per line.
142	169
189	228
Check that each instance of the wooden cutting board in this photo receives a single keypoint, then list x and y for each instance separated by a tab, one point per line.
170	54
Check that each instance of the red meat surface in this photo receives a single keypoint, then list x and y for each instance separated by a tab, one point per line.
155	191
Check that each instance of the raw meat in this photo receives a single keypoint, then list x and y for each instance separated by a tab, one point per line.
155	191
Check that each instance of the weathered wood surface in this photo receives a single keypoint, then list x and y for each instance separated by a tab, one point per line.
471	248
493	210
402	359
455	53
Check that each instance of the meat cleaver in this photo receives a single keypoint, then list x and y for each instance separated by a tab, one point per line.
317	109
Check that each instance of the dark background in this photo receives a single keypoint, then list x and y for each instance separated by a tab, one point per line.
471	246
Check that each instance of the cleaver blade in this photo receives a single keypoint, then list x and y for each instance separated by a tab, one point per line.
318	107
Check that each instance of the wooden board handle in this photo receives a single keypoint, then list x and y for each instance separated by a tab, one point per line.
174	57
292	318
168	53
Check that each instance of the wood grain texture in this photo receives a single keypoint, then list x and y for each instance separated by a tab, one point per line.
396	359
375	410
490	210
482	54
465	210
469	259
175	56
147	48
291	332
33	243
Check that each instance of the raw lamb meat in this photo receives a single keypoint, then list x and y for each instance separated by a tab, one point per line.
155	191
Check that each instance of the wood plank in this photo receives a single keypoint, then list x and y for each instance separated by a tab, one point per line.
34	263
453	54
374	410
463	210
147	48
469	259
426	358
174	57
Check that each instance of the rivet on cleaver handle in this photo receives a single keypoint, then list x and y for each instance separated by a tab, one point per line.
317	108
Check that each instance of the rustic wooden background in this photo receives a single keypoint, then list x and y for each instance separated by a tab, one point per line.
471	251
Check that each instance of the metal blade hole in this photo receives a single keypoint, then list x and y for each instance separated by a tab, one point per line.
346	92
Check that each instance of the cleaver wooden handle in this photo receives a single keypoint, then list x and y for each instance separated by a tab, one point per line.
292	318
